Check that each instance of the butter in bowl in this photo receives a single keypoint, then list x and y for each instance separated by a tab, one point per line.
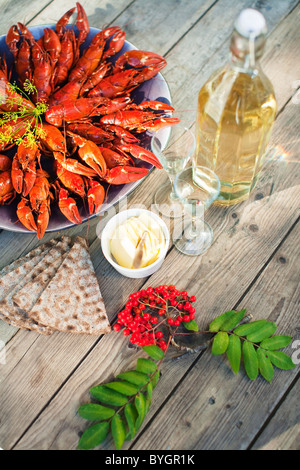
135	242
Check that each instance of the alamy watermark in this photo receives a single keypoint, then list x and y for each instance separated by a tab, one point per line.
182	223
296	353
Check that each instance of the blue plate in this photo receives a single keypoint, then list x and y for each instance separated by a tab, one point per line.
154	89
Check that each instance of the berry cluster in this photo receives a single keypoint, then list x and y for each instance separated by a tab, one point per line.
147	310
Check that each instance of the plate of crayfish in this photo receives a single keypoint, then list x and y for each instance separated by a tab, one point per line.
78	106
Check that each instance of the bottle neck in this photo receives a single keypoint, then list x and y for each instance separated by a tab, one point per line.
246	52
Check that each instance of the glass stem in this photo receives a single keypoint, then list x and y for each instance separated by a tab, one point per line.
194	229
172	195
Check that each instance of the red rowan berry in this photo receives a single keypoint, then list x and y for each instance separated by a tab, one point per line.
154	320
162	344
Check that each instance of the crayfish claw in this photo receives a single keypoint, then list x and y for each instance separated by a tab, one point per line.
43	218
25	216
69	207
82	23
63	21
125	174
95	196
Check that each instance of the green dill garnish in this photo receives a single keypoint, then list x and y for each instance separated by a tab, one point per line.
23	125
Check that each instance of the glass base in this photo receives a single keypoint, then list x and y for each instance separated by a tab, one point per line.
189	244
165	205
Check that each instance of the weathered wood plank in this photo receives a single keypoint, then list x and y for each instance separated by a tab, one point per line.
283	431
99	13
19	10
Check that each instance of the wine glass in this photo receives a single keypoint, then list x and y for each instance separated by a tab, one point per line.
173	152
197	188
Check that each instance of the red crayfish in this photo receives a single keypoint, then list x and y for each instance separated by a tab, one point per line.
91	128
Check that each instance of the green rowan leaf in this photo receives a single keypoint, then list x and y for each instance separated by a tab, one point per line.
191	325
265	365
234	352
146	366
233	320
276	342
220	343
155	379
135	377
131	416
281	360
125	388
93	436
140	404
250	360
118	431
95	412
108	396
248	328
154	352
148	397
217	323
264	332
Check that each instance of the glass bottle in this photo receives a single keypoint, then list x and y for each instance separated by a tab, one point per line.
236	111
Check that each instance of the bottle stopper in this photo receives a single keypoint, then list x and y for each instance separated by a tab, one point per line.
250	23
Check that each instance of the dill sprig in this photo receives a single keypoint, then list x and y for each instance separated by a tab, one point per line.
25	123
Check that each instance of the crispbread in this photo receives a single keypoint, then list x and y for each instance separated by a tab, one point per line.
26	297
10	275
12	278
72	301
26	273
29	256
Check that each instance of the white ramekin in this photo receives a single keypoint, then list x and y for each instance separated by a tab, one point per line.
107	234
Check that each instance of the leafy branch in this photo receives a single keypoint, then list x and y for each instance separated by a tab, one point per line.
129	396
129	400
253	342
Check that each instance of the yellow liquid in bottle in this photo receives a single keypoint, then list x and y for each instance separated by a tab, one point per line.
236	112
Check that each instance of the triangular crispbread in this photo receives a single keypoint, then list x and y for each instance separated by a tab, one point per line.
12	274
72	301
10	312
26	297
29	256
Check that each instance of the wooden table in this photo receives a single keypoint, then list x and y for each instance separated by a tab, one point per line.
199	403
